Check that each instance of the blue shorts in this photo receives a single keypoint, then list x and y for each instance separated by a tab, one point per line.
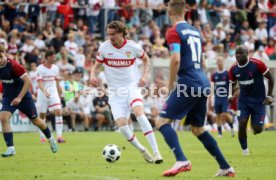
257	112
176	108
26	106
221	106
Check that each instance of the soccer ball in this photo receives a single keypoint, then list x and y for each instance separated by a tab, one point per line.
111	153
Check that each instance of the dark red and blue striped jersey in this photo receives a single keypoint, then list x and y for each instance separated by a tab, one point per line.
221	85
10	75
190	72
250	79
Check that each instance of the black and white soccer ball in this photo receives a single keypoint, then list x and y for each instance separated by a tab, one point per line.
111	153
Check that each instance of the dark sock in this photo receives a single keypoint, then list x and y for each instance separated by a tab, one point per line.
8	138
219	130
211	145
231	125
47	132
171	138
242	136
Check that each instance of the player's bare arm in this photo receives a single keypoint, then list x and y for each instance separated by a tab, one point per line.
146	66
93	76
42	88
27	82
174	66
58	87
270	78
234	91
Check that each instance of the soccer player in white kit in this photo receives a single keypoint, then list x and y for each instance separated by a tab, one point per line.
118	56
48	93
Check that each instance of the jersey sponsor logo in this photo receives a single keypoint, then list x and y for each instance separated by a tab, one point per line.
238	75
7	81
109	54
190	32
220	83
119	62
247	82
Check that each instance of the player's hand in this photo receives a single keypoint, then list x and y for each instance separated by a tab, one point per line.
16	101
46	93
268	100
94	81
142	81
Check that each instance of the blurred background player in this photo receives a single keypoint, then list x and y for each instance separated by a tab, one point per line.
48	97
221	91
249	72
16	84
118	56
185	42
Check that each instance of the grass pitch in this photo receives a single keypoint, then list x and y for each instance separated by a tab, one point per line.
81	158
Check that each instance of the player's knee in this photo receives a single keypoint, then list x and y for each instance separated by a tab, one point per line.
257	129
242	124
121	122
197	130
161	122
138	111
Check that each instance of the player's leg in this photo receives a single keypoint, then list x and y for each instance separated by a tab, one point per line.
243	114
227	117
42	116
218	111
27	107
7	132
42	107
174	108
258	118
5	115
120	110
196	116
56	108
146	127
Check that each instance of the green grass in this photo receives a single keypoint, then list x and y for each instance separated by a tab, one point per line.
81	158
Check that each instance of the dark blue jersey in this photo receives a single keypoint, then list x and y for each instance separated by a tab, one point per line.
250	79
190	72
10	75
221	85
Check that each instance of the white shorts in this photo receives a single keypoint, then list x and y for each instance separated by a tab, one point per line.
51	103
122	104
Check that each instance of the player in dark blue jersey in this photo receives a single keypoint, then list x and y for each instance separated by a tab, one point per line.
220	78
190	96
249	72
16	83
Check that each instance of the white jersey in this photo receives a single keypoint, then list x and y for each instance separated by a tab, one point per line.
48	77
33	76
119	63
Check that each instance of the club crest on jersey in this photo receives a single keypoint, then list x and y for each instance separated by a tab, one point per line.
128	54
250	74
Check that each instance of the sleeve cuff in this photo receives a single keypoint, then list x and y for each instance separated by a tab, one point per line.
266	71
23	75
142	54
100	61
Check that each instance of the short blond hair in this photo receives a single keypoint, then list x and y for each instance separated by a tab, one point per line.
177	6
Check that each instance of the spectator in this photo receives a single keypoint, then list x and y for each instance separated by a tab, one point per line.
269	49
58	41
76	111
261	33
260	54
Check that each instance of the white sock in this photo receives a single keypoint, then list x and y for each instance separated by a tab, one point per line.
129	135
11	148
148	132
59	125
131	127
